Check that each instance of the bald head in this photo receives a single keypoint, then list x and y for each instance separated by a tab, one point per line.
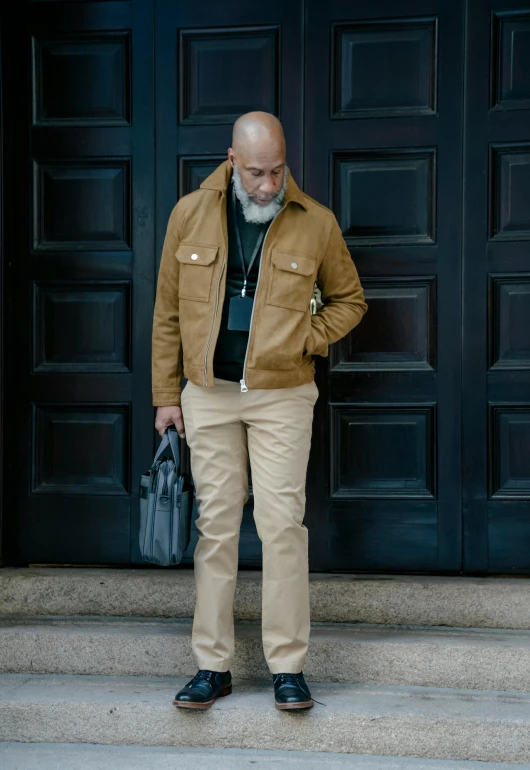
255	129
258	158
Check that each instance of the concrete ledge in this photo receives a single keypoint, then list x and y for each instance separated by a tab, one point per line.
398	655
61	756
362	719
438	601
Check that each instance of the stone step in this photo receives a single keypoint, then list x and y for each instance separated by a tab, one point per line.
416	600
420	722
373	654
63	756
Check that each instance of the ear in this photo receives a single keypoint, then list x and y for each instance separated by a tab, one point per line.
231	157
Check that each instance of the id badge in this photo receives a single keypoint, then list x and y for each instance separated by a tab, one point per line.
240	313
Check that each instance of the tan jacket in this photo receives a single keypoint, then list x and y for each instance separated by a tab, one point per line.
303	244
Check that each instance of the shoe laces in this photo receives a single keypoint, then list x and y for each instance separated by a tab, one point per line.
203	676
297	680
289	679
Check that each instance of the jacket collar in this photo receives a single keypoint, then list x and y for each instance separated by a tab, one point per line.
220	179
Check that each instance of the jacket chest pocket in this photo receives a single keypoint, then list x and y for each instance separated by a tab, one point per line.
291	282
196	267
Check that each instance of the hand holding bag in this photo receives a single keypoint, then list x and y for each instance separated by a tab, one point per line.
166	501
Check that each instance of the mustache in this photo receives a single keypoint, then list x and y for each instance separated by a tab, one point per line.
258	209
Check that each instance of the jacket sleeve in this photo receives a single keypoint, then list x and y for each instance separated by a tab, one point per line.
167	345
342	295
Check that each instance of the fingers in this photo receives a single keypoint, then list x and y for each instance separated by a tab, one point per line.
179	424
162	424
166	417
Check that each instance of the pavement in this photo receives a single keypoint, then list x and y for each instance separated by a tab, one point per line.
423	722
61	756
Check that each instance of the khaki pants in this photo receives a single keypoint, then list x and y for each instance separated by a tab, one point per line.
225	428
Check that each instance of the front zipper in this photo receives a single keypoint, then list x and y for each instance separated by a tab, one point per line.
213	325
224	225
244	388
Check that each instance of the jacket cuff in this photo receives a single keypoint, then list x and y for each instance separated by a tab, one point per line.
317	344
166	397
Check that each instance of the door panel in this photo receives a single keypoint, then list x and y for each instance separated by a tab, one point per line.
82	282
496	382
383	149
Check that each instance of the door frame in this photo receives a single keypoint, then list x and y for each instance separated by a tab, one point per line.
3	185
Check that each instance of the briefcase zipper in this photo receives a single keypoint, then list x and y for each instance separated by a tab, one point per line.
171	520
164	495
153	474
156	470
244	388
179	490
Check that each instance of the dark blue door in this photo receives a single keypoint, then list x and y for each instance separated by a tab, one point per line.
496	271
383	148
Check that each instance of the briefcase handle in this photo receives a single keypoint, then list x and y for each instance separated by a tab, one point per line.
169	439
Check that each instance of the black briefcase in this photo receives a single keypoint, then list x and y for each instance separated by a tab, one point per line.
166	502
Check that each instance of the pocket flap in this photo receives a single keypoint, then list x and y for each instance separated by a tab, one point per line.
293	263
196	254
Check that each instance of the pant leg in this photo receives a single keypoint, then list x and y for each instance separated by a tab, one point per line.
219	465
279	424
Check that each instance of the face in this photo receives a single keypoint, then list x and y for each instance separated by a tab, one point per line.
262	172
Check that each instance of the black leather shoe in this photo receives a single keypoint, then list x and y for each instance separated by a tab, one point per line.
291	691
202	691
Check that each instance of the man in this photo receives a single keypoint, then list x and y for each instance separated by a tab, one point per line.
232	315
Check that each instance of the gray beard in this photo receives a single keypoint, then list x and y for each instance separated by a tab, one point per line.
252	211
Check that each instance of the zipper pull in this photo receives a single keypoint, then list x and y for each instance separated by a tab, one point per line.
244	388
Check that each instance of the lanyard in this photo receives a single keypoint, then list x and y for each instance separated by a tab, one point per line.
240	247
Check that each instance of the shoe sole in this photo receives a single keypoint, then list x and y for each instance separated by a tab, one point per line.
207	705
299	705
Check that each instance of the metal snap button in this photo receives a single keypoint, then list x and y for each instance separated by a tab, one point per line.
294	265
194	256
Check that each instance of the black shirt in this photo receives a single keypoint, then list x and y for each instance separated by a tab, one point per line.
231	348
